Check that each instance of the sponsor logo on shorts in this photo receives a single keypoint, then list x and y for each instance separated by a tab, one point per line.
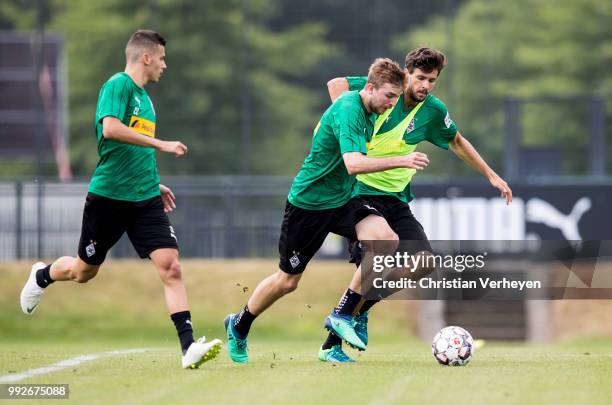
295	261
90	249
172	233
370	207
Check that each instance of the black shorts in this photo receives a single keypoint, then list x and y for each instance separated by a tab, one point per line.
304	231
105	220
399	217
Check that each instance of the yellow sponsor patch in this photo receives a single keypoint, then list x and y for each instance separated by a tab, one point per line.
143	126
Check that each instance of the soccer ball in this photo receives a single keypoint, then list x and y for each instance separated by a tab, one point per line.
453	346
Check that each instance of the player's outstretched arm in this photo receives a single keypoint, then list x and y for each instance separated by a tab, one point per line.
112	128
466	151
358	163
336	87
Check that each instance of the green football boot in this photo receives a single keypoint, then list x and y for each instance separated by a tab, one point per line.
361	327
343	326
334	354
237	347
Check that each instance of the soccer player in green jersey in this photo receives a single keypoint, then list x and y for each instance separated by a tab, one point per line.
417	116
125	195
318	202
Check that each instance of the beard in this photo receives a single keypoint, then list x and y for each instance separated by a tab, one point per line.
376	109
414	96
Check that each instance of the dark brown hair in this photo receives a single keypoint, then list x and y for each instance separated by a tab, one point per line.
142	40
146	37
385	70
426	59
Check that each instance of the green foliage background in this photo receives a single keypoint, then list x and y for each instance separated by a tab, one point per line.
246	79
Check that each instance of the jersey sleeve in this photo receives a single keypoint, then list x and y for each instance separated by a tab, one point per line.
349	131
356	82
113	100
443	128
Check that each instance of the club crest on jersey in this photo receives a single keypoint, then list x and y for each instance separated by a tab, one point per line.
410	127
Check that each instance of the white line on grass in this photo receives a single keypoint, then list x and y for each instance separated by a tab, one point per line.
75	361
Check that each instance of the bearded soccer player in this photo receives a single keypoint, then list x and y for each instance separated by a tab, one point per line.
125	195
417	116
318	202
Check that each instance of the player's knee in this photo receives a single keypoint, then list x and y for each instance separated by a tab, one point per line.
84	276
378	234
171	271
389	235
287	283
291	285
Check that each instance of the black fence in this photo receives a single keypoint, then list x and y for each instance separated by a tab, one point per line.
226	217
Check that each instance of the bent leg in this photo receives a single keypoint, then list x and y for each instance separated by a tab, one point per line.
72	268
167	264
369	230
271	289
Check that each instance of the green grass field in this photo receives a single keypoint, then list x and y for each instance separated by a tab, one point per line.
123	309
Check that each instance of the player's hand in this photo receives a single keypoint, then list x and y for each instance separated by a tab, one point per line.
168	198
417	160
502	186
175	147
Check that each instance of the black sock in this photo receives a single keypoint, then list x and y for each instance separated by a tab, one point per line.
43	278
348	303
182	323
332	340
367	305
243	321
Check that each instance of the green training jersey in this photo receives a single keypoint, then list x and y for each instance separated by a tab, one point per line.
323	181
125	172
397	132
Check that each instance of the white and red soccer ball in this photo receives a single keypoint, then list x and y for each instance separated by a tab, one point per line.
453	346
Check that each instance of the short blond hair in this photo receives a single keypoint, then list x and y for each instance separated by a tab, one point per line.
384	70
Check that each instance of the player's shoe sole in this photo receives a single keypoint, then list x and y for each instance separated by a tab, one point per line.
31	292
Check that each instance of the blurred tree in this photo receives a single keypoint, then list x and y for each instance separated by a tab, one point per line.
524	48
230	80
16	15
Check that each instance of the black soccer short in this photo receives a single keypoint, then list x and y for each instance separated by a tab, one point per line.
304	231
105	220
399	217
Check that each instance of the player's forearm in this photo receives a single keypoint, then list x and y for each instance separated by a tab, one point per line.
336	87
122	133
466	152
362	164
